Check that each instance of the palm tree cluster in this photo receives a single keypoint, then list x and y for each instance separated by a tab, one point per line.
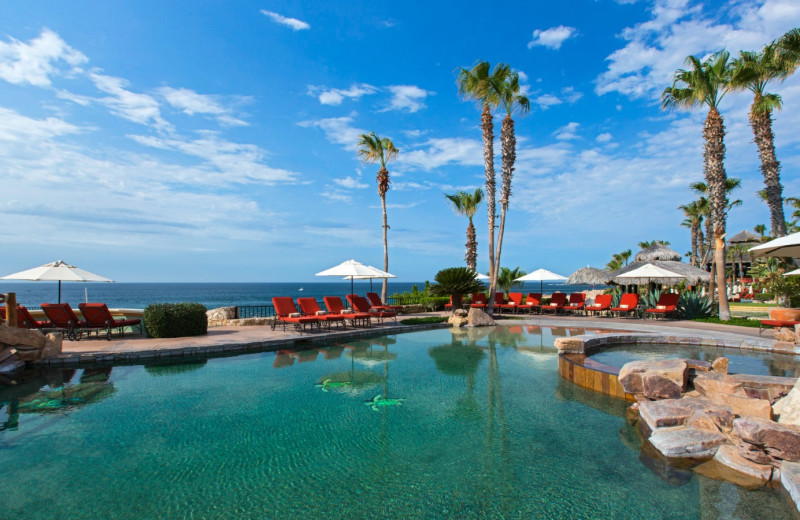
465	203
704	83
619	260
492	88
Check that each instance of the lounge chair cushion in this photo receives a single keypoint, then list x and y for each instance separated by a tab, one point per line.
661	307
294	314
623	306
321	313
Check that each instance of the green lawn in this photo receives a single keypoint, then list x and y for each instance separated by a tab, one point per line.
419	321
734	305
742	322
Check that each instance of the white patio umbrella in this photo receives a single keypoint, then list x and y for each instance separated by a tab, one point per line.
58	270
351	269
788	246
649	272
481	276
540	275
378	274
796	272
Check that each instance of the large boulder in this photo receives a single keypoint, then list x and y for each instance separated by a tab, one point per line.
478	318
457	321
743	385
14	337
53	345
778	441
788	408
786	334
687	442
569	345
692	411
720	365
665	379
730	466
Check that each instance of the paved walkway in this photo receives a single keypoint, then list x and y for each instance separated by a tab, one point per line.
229	340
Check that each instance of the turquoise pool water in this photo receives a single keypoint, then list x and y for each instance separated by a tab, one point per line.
740	361
419	425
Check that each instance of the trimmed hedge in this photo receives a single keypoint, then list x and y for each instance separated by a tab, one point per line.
763	297
420	321
175	320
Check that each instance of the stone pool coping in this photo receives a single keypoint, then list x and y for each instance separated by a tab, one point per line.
219	342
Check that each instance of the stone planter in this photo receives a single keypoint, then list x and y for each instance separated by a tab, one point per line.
784	314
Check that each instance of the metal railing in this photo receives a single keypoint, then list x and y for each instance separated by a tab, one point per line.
255	311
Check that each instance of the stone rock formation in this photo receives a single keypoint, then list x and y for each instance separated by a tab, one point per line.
664	379
478	318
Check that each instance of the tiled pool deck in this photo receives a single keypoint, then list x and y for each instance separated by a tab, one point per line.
231	340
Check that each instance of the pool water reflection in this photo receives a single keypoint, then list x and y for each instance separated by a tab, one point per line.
435	424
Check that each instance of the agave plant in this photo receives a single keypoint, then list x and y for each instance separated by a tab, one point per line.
692	305
456	282
650	300
616	295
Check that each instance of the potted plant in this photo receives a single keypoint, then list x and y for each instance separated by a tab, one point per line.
456	282
768	274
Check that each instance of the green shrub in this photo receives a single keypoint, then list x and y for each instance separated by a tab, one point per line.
762	297
420	321
175	320
691	305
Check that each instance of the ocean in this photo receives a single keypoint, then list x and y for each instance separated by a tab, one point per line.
212	295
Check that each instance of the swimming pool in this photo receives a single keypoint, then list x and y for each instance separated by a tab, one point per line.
740	361
418	425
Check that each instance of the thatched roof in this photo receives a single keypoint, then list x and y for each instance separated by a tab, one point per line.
745	237
658	252
694	275
589	275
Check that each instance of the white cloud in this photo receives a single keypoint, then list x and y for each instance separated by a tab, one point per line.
191	103
604	138
139	108
656	48
338	130
567	132
351	183
36	61
553	37
15	127
335	96
546	101
442	151
294	23
407	97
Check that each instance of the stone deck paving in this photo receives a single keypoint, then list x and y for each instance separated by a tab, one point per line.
228	340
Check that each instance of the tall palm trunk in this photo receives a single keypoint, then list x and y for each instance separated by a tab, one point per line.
509	146
383	187
695	228
714	154
472	246
761	121
701	247
488	159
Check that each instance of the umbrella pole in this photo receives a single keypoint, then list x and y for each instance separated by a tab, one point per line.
59	291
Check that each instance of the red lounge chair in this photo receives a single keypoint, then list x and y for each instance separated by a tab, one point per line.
360	304
602	302
628	304
533	302
99	318
478	301
335	306
286	312
577	301
514	302
376	303
64	320
310	307
449	305
25	320
667	305
557	302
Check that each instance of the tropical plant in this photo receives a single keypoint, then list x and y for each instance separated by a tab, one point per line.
650	299
753	71
475	84
456	282
706	83
701	188
692	305
616	295
465	203
513	101
505	280
761	229
768	273
788	50
374	149
645	244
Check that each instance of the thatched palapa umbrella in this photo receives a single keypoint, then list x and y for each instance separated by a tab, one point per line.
657	252
590	276
745	237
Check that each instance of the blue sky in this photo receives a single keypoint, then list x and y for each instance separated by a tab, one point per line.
216	141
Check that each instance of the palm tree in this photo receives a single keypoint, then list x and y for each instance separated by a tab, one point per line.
475	84
456	282
706	83
731	184
694	219
505	83
505	279
645	244
374	149
788	48
761	229
626	255
465	203
753	71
